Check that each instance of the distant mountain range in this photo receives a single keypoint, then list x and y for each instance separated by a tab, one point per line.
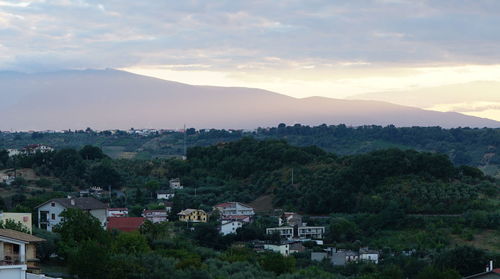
112	99
479	98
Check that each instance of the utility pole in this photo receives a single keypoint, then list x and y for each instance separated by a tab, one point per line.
185	144
292	176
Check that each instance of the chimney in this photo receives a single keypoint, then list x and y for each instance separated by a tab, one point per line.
72	202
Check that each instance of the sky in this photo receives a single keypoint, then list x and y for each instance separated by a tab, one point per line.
332	48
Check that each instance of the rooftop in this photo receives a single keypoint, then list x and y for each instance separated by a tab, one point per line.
78	203
12	234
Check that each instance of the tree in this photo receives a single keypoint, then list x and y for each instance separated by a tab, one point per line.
13	225
466	260
129	243
277	263
77	227
89	260
104	175
4	157
89	152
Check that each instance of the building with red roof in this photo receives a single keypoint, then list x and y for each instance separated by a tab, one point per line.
125	224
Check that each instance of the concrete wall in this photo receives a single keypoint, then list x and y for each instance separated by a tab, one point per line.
13	272
23	218
38	276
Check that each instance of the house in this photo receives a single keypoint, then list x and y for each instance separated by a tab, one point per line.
285	248
234	209
175	184
23	218
366	254
490	273
311	232
17	254
241	218
168	206
165	195
155	216
193	215
284	232
228	227
49	212
13	152
125	224
118	212
341	257
298	232
290	219
34	148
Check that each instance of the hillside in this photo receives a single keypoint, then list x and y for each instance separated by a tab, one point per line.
111	99
474	147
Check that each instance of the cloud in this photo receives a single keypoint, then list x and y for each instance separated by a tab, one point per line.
227	34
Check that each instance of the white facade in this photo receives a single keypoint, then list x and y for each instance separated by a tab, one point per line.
228	227
369	256
13	271
175	183
311	232
155	216
283	249
285	232
305	232
49	215
165	195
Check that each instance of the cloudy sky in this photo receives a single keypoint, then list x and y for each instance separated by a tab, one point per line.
333	48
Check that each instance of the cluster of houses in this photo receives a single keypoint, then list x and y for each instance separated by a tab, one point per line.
30	149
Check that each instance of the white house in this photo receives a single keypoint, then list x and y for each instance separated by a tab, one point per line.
283	249
228	227
298	232
165	195
155	216
34	148
49	212
175	183
234	209
366	254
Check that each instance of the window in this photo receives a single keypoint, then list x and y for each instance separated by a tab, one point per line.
53	216
53	204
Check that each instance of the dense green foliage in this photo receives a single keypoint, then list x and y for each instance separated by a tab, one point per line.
465	146
413	206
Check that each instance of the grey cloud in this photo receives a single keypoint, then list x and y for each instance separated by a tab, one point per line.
225	34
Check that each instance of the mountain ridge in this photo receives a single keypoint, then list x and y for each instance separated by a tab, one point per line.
109	99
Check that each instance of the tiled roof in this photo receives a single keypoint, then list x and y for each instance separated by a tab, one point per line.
12	234
79	203
125	224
